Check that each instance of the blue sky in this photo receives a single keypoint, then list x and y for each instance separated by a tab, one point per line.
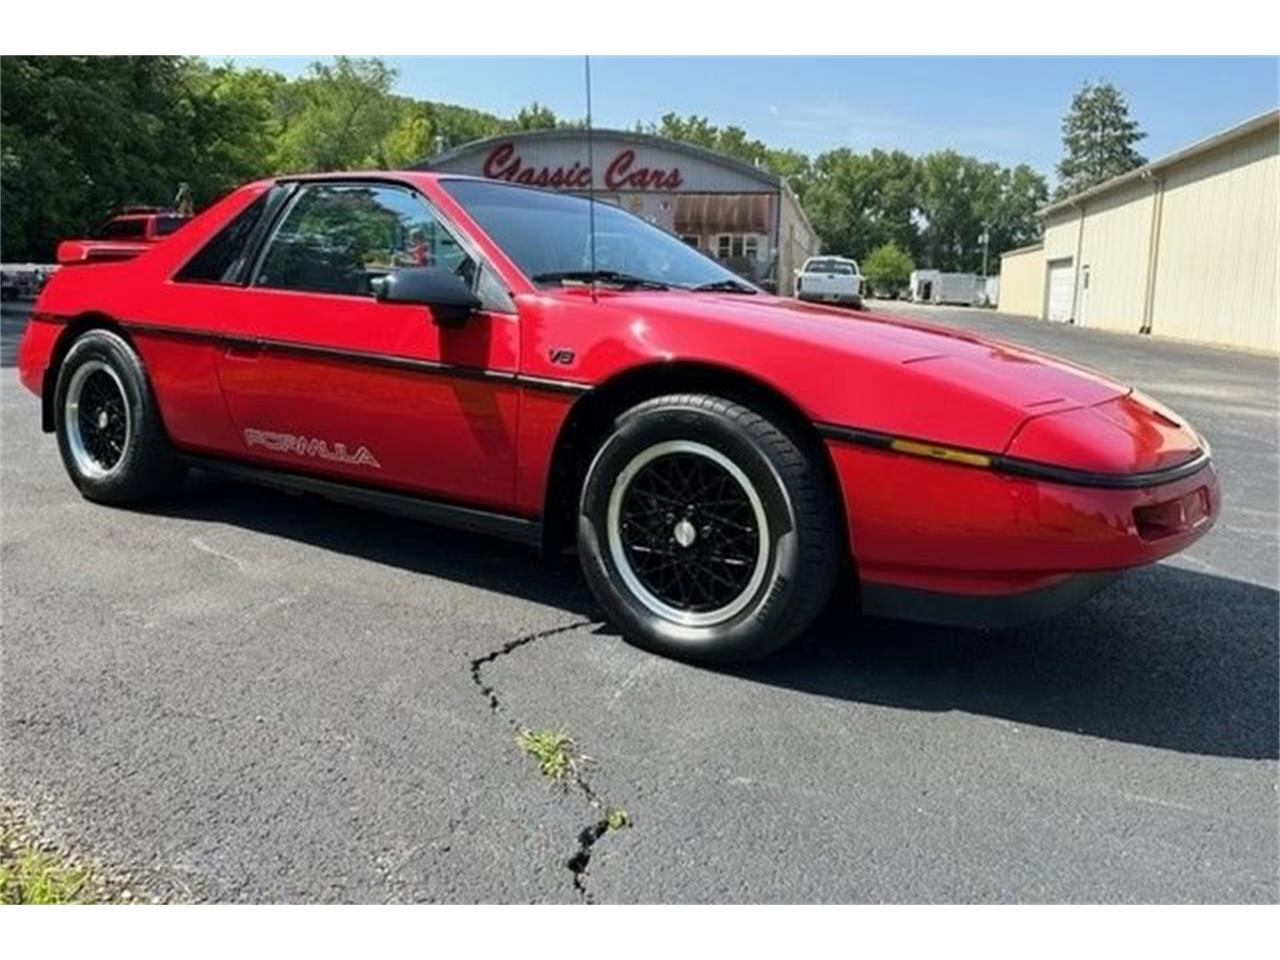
1006	109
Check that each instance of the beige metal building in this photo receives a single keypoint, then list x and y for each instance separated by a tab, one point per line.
1187	246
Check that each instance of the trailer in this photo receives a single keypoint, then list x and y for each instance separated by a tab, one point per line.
934	286
24	281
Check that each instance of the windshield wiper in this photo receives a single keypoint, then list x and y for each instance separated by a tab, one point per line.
725	286
611	277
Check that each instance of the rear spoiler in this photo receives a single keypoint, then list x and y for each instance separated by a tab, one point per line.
97	251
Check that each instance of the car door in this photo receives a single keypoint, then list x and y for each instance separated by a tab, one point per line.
321	377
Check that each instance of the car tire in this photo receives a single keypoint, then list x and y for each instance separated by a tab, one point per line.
706	531
112	440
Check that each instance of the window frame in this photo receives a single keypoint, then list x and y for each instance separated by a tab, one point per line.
271	198
298	187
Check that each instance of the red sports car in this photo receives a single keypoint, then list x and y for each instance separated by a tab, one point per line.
495	357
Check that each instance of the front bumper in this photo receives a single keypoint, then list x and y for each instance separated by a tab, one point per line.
926	525
981	610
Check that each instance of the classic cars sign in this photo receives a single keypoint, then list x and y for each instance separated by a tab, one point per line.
623	164
621	173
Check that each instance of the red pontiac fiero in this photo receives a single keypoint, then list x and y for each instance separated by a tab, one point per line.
481	354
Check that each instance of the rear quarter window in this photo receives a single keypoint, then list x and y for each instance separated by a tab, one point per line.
219	260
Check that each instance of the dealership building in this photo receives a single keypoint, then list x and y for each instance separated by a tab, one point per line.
740	214
1186	247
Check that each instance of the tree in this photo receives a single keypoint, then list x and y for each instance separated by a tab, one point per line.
1098	136
950	186
536	117
452	126
82	136
959	197
406	143
233	127
888	268
336	115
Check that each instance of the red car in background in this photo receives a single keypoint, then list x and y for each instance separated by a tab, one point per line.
124	236
722	459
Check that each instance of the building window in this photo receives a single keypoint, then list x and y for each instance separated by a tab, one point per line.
738	246
691	239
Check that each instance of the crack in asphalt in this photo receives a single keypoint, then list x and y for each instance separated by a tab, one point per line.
478	663
590	834
581	859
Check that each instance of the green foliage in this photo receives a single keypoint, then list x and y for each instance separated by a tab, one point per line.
615	818
935	207
1098	137
859	201
961	196
338	116
536	117
35	871
408	141
453	126
36	877
554	750
888	267
82	136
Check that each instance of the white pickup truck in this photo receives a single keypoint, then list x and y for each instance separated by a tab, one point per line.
831	279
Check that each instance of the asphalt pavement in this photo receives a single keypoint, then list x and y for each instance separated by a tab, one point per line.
248	696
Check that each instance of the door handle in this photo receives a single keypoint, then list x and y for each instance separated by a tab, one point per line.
241	349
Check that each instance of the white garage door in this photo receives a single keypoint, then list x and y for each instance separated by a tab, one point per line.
1061	281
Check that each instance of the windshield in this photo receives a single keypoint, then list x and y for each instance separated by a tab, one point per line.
548	235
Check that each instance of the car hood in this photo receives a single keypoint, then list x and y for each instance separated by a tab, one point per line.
917	380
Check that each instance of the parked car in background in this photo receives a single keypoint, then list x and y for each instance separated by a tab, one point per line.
830	280
141	224
723	461
124	235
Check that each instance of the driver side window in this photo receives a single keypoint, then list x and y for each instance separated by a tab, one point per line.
338	238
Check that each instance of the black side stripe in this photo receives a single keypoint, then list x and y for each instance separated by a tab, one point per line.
391	360
1016	466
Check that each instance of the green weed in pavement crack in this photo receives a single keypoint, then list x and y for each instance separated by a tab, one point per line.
559	760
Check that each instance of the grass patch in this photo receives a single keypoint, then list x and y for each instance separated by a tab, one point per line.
35	871
615	818
557	755
38	877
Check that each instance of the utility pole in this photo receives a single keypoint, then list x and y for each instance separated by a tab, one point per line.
985	240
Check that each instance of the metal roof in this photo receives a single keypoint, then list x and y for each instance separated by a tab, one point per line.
1252	125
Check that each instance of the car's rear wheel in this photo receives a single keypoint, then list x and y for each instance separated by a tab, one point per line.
110	435
706	531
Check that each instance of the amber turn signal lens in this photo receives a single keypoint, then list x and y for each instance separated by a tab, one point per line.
940	453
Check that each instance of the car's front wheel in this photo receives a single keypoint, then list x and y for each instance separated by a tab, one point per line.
706	531
110	435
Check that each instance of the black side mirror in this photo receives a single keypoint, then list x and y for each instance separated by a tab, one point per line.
446	293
